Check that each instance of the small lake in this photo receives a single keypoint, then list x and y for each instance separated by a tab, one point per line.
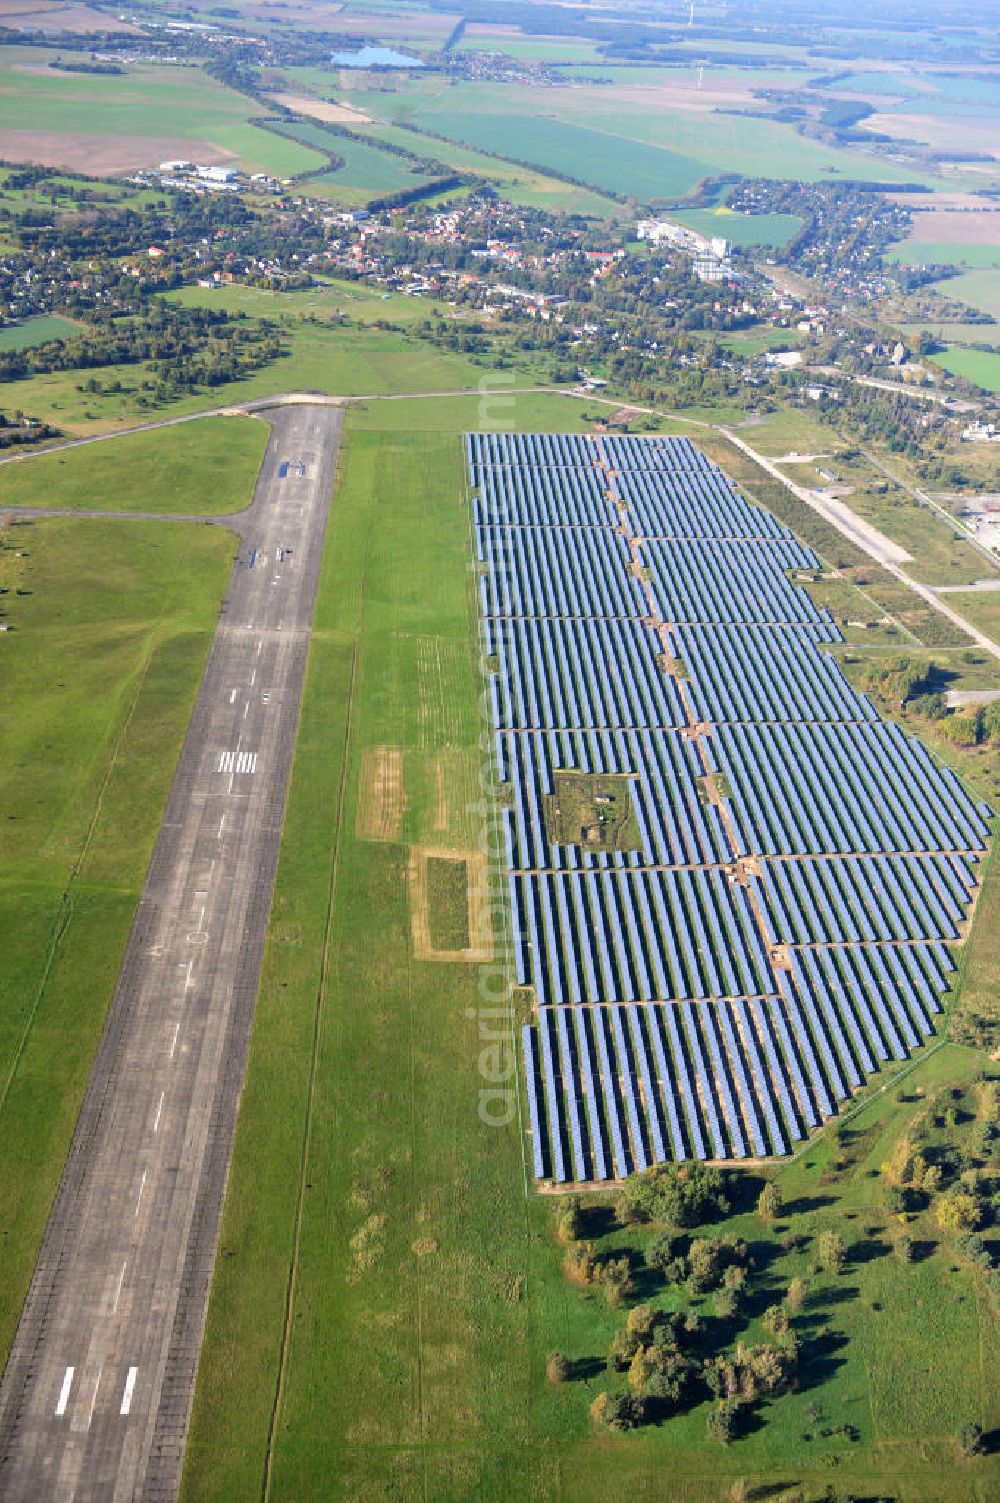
375	57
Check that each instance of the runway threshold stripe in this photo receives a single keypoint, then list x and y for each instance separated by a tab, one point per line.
67	1384
129	1390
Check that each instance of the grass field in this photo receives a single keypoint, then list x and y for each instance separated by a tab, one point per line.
366	172
951	253
742	229
203	468
405	1360
38	330
979	366
351	360
592	156
112	625
521	184
979	289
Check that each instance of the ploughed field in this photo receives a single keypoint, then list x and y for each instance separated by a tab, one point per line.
776	923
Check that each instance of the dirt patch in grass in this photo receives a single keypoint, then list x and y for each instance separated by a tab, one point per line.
449	905
592	811
381	794
321	109
101	155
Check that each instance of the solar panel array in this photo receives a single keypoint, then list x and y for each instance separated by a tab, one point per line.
777	925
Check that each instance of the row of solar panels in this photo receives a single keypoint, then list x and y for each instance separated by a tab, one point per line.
614	1089
601	672
572	571
757	1046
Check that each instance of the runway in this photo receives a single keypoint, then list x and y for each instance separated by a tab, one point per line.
96	1397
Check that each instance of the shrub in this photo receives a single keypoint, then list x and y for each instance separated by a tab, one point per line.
618	1411
661	1251
581	1263
832	1251
557	1367
775	1320
723	1422
679	1195
769	1202
970	1439
798	1291
958	1211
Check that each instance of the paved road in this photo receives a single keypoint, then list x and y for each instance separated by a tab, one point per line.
95	1401
874	544
846	521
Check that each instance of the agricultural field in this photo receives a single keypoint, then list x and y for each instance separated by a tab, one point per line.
674	140
200	469
110	629
405	1216
366	172
110	124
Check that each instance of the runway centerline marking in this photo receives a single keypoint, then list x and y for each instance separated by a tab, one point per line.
129	1390
142	1186
159	1109
121	1278
67	1384
173	1046
93	1398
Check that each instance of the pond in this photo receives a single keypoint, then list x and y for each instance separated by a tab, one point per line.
375	57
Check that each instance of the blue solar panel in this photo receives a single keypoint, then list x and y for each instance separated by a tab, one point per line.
779	926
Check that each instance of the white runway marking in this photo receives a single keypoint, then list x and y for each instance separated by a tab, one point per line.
246	709
173	1046
129	1390
142	1186
159	1109
121	1277
232	697
253	678
259	646
188	983
67	1384
219	836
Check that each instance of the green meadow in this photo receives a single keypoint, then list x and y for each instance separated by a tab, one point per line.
351	359
199	468
978	366
111	626
742	229
940	253
37	330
